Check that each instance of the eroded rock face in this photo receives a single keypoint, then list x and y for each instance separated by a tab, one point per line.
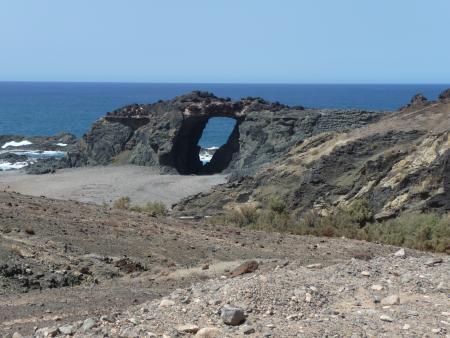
165	134
395	165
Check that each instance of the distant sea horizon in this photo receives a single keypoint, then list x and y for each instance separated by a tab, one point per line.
48	108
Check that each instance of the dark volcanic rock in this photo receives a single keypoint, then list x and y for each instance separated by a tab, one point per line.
418	100
165	134
445	95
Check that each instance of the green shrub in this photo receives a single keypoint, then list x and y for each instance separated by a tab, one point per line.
154	208
418	231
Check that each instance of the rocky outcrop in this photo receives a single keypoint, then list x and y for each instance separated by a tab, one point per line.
397	164
165	134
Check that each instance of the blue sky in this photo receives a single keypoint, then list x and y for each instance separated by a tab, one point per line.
246	41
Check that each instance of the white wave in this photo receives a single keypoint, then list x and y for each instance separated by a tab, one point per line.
211	148
61	144
16	144
40	153
12	166
205	158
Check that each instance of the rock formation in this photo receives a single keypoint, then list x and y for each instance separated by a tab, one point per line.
396	164
165	134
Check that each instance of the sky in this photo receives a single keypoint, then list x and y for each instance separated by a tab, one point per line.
226	41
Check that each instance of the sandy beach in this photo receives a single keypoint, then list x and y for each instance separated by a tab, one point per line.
106	184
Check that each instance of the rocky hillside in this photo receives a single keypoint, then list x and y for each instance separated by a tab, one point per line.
165	134
74	269
400	162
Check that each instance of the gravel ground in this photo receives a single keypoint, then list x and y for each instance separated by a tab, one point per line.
383	297
106	184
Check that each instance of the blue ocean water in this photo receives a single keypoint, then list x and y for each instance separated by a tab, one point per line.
28	108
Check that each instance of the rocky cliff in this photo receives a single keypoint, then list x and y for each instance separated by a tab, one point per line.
166	134
398	163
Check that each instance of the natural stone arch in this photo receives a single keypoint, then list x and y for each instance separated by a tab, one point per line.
185	150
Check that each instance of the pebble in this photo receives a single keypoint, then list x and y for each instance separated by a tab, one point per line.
88	324
209	332
406	327
247	329
386	318
166	303
365	273
433	261
391	300
232	315
400	253
67	329
314	266
377	287
188	328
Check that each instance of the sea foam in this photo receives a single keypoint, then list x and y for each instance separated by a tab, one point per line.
16	144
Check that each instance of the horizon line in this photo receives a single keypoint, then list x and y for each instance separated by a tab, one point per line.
233	83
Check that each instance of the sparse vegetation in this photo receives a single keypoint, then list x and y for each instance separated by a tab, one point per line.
154	208
123	203
418	231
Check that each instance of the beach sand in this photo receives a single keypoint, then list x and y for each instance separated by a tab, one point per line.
105	184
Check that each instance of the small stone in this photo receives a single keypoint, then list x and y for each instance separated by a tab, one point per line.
67	329
377	287
88	324
17	335
436	330
270	326
433	261
365	273
292	317
247	329
247	267
386	318
446	314
308	297
232	315
188	328
205	266
400	253
391	300
406	327
166	303
314	266
209	332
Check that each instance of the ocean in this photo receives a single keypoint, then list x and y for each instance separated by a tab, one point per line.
40	108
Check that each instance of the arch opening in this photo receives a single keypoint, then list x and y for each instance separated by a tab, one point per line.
205	145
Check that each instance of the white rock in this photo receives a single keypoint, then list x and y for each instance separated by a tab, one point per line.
386	318
314	266
400	253
391	300
166	303
377	287
365	273
188	328
406	327
209	332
